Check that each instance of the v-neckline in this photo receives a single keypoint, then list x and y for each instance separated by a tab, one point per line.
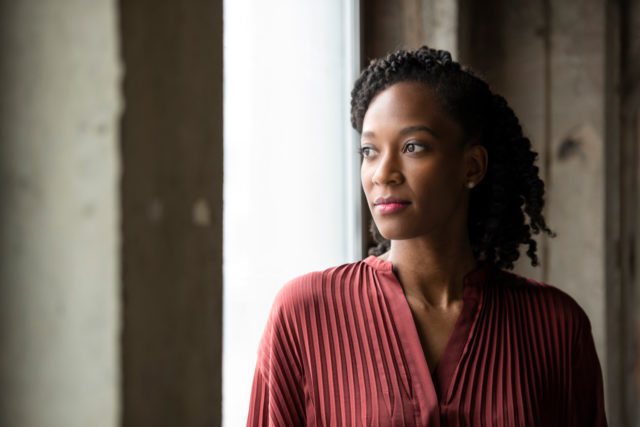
435	390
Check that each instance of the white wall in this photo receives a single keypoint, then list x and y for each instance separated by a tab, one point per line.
291	186
59	222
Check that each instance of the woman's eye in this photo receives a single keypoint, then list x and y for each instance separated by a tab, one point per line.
366	151
412	147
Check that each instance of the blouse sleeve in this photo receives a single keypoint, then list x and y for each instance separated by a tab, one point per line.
277	396
588	405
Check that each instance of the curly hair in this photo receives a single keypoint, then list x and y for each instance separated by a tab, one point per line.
511	187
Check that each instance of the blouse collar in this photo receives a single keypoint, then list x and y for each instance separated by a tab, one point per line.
474	279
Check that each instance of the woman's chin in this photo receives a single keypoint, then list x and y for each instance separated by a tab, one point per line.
395	234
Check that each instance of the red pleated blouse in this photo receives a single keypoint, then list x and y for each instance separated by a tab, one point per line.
341	349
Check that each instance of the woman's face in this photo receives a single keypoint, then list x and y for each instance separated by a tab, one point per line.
415	166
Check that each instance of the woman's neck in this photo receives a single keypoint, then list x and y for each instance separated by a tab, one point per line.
430	273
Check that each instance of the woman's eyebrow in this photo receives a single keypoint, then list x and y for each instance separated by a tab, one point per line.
417	128
367	134
409	129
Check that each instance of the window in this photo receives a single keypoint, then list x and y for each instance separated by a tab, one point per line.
291	188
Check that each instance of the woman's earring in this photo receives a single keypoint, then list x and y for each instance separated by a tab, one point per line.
471	184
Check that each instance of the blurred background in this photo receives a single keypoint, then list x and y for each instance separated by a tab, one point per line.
165	167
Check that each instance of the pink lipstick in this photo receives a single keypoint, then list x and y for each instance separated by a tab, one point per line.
388	205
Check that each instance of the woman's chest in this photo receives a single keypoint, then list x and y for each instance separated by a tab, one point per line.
372	380
370	368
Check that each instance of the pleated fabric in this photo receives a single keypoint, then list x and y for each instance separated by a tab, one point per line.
341	349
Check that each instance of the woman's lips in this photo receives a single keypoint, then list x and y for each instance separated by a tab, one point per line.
387	205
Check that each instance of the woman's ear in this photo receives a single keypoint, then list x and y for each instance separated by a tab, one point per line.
477	159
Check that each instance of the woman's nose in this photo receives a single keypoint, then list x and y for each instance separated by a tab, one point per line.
387	171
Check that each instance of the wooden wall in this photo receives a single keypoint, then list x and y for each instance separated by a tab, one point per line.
172	213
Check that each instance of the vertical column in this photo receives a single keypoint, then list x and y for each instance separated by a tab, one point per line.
440	25
59	170
505	42
576	198
622	136
172	212
393	24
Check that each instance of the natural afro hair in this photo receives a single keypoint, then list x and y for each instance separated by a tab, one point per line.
505	208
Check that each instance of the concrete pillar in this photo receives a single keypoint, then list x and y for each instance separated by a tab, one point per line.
59	171
505	42
576	161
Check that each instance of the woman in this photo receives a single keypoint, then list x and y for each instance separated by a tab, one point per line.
432	331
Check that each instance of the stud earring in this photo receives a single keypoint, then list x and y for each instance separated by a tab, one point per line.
471	184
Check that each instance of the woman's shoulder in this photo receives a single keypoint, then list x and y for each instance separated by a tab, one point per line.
318	286
537	295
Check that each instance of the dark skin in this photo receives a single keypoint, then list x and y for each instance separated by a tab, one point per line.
413	151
